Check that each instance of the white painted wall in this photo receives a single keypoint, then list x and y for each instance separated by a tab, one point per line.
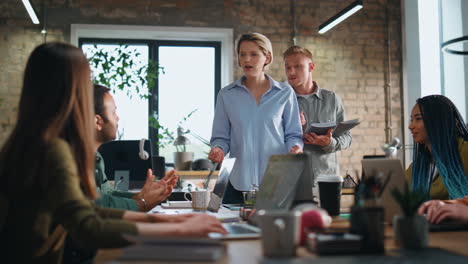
429	46
454	65
425	69
411	68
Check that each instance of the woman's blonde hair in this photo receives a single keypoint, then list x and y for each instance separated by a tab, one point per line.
56	102
262	42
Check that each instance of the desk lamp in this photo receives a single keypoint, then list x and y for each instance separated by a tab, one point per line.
392	148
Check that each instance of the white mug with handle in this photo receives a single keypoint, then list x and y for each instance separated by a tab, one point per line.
200	199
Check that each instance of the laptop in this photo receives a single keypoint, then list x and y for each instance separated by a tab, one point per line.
221	184
448	226
277	191
387	168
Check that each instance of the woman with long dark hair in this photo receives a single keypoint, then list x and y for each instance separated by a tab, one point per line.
440	160
46	169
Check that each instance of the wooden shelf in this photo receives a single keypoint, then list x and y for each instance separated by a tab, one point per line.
196	173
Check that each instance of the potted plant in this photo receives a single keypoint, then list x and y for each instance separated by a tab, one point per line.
411	230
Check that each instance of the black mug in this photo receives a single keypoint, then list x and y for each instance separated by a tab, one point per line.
330	193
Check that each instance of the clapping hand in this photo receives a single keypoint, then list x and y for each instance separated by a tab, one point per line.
154	192
171	180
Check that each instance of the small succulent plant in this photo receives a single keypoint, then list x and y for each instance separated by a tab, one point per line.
408	200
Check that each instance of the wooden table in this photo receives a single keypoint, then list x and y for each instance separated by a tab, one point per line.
250	251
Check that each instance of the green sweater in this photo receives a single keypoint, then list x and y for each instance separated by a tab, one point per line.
30	219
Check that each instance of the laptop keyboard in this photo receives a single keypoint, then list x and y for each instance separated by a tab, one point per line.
448	226
238	229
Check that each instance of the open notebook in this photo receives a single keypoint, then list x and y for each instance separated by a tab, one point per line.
338	129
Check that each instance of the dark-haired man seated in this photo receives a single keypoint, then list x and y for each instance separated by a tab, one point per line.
152	193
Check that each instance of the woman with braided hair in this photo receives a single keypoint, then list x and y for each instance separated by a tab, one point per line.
440	160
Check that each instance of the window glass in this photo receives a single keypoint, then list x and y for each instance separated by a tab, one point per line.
187	86
132	110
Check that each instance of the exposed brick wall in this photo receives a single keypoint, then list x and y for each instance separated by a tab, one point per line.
350	58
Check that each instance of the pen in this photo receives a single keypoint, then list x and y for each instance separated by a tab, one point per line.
207	181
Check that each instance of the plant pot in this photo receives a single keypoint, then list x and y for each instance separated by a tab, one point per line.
368	222
183	160
411	232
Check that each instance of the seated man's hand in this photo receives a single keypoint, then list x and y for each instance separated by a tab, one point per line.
153	192
171	180
216	155
319	140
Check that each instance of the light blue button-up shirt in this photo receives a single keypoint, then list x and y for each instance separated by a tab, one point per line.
253	132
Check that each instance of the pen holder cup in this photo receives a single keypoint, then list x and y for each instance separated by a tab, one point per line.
369	223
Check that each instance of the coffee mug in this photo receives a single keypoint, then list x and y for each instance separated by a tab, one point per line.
330	193
200	199
280	232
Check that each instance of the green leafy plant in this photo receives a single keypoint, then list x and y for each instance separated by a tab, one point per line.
187	117
408	200
165	136
120	69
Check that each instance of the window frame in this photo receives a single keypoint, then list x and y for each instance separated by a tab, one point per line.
153	53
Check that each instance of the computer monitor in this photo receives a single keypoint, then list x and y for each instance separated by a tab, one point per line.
123	163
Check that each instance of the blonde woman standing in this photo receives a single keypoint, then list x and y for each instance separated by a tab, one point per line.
255	117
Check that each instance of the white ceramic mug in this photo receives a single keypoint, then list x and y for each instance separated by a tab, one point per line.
200	199
280	232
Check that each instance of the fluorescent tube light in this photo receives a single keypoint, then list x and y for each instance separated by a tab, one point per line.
342	15
31	12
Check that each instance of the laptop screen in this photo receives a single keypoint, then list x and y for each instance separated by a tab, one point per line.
221	184
393	169
279	184
223	176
